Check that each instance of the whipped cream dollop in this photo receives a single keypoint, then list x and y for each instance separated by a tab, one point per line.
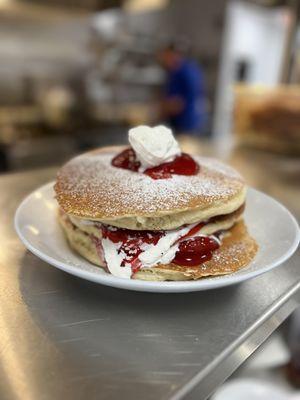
153	146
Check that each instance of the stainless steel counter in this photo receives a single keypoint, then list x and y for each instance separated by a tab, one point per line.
66	338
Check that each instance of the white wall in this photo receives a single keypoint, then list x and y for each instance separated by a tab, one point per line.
255	34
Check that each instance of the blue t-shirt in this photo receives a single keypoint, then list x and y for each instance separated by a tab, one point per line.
187	83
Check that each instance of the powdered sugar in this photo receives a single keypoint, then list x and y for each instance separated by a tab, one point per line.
97	188
232	254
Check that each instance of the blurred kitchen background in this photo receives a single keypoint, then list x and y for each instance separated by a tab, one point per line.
76	74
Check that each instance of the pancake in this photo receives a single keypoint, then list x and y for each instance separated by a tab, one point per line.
89	187
236	251
214	225
137	227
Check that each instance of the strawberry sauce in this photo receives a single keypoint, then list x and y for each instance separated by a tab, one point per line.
126	160
131	243
195	251
192	251
181	165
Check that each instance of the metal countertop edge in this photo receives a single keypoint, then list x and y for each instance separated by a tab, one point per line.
228	361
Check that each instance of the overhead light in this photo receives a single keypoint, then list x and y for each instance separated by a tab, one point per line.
144	5
5	3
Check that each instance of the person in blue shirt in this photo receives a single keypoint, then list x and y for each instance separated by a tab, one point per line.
183	106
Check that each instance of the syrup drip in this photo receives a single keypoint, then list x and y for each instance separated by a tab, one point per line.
181	165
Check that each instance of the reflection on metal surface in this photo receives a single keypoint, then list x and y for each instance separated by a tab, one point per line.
17	332
11	362
83	322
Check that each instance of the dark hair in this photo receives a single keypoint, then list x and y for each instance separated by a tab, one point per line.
180	45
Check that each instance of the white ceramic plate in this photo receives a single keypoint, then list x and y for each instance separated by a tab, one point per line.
272	225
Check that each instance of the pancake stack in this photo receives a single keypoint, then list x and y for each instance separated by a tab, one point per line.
134	226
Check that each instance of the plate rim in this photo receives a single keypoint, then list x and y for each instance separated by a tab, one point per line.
155	286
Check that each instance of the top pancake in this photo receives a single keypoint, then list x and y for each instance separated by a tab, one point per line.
89	187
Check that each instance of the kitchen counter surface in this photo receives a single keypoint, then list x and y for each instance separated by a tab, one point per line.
65	338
